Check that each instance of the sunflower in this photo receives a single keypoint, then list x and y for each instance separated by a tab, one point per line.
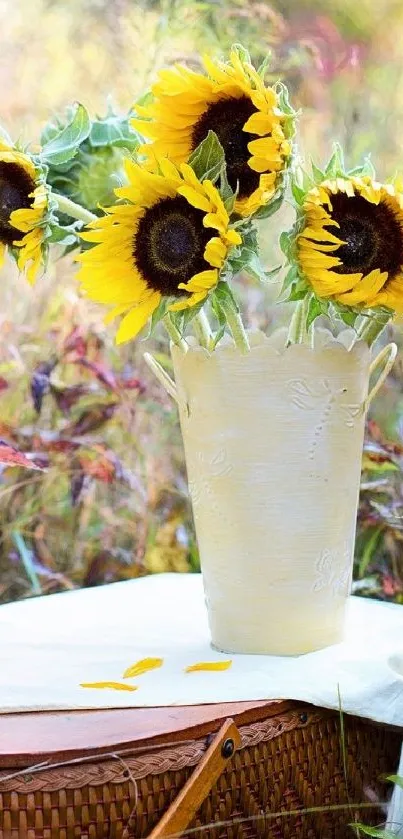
170	240
23	209
350	249
232	101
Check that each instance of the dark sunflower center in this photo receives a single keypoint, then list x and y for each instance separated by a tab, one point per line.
169	245
227	118
372	233
15	187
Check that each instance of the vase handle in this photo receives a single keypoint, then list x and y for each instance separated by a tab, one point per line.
162	376
385	360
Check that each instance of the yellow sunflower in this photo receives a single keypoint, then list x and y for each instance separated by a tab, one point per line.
351	247
234	102
23	209
170	240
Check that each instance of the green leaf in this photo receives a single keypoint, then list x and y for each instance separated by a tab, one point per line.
317	173
242	53
270	208
227	302
290	278
221	318
395	779
303	179
223	294
298	291
245	256
219	334
143	100
5	136
157	315
64	145
183	318
239	258
248	231
65	235
113	131
248	261
284	99
365	168
262	69
217	310
315	310
371	545
368	168
227	194
272	274
289	128
374	831
49	131
335	167
298	193
379	469
348	316
286	242
208	159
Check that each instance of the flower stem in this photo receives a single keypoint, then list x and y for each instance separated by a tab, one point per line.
372	327
236	326
70	208
174	333
202	329
297	331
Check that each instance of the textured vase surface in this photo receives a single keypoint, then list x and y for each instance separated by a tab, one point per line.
273	444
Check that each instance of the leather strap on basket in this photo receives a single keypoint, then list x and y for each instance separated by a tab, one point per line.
181	812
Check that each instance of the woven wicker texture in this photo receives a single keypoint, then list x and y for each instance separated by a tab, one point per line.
292	761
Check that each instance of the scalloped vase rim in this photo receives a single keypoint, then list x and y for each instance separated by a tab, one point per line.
324	341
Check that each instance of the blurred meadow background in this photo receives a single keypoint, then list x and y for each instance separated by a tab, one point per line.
113	502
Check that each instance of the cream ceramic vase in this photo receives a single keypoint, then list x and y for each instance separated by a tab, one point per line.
273	444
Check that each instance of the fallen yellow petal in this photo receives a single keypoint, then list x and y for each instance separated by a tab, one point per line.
142	666
111	685
208	665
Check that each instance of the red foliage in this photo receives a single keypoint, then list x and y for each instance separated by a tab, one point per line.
100	371
10	456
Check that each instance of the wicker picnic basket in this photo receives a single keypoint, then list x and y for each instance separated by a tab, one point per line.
207	775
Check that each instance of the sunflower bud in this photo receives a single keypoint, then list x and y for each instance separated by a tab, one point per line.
99	172
96	170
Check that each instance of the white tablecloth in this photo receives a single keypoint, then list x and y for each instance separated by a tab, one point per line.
49	645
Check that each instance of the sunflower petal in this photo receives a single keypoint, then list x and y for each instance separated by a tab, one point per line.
208	666
365	290
264	164
188	302
143	666
136	319
215	252
194	198
330	284
259	123
204	279
108	685
233	237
